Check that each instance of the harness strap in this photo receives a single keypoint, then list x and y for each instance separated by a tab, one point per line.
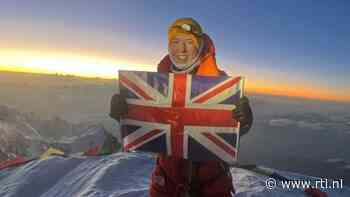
194	182
195	185
192	187
180	189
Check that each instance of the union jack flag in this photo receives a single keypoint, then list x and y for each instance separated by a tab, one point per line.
181	115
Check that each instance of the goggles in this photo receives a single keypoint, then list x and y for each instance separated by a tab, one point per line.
190	29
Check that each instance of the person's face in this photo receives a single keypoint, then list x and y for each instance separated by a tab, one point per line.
182	48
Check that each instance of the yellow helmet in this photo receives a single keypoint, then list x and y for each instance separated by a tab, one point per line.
186	26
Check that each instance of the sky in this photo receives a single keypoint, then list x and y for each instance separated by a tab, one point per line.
295	48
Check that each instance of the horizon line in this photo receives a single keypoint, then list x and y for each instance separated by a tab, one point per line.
249	91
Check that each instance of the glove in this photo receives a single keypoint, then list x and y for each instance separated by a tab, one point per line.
119	107
243	114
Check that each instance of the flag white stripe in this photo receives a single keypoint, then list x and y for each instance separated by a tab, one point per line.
144	86
213	88
145	127
196	132
212	147
223	95
141	143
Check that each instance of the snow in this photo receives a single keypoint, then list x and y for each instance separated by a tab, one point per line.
117	175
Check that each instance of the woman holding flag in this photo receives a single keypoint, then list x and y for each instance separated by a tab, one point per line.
190	51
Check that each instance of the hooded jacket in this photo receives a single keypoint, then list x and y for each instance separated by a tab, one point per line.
176	170
207	61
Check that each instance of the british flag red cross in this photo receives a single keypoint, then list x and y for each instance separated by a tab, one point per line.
181	115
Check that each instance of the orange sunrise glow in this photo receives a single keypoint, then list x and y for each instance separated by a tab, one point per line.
87	66
49	63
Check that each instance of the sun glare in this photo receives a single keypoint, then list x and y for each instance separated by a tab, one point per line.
93	66
86	66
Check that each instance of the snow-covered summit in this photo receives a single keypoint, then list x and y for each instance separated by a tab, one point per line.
117	175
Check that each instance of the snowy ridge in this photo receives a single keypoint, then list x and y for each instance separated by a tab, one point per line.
117	175
26	135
